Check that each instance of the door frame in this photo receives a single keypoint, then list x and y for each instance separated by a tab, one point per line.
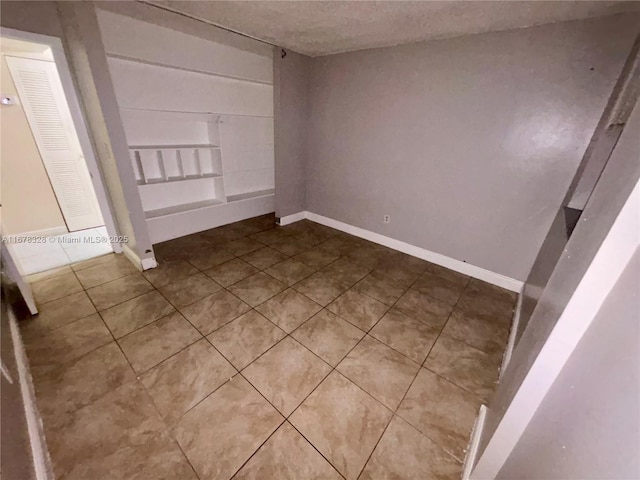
86	145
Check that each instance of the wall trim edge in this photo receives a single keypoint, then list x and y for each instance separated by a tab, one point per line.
140	264
296	217
511	343
40	454
451	263
474	443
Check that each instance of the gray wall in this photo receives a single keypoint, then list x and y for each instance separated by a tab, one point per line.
612	191
468	143
588	425
290	116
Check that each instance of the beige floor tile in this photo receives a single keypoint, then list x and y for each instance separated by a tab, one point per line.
101	260
59	313
440	410
289	309
118	436
485	299
105	272
403	452
190	289
381	288
191	243
246	338
445	285
321	288
406	335
409	262
222	432
425	308
316	258
135	313
290	271
53	288
169	271
482	331
464	365
397	272
257	289
367	257
341	244
264	258
222	234
290	246
231	272
379	370
118	291
209	257
287	456
271	236
360	310
182	381
54	272
157	341
214	311
345	271
342	422
328	336
81	382
242	246
158	457
286	374
50	350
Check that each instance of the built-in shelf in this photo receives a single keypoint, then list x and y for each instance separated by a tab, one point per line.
162	212
172	147
154	181
247	195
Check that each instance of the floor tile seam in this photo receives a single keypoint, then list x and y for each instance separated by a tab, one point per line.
135	270
427	436
445	324
314	447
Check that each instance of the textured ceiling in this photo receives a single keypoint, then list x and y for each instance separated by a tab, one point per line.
325	27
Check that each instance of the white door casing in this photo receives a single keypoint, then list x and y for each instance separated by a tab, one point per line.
45	105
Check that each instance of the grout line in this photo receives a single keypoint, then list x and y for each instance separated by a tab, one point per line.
344	257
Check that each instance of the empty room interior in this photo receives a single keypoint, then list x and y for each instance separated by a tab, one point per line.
320	240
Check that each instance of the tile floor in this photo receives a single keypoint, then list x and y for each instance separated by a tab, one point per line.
59	250
294	352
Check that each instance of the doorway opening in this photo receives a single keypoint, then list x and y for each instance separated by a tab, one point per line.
54	208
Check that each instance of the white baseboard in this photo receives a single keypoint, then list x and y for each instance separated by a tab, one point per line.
474	443
511	343
140	264
39	452
296	217
451	263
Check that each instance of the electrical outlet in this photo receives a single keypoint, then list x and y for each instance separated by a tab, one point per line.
386	219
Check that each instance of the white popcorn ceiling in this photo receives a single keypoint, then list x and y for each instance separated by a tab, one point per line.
318	28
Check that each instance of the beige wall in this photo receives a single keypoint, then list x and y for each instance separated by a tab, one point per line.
28	201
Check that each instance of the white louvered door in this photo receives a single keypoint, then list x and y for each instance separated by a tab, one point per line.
45	106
